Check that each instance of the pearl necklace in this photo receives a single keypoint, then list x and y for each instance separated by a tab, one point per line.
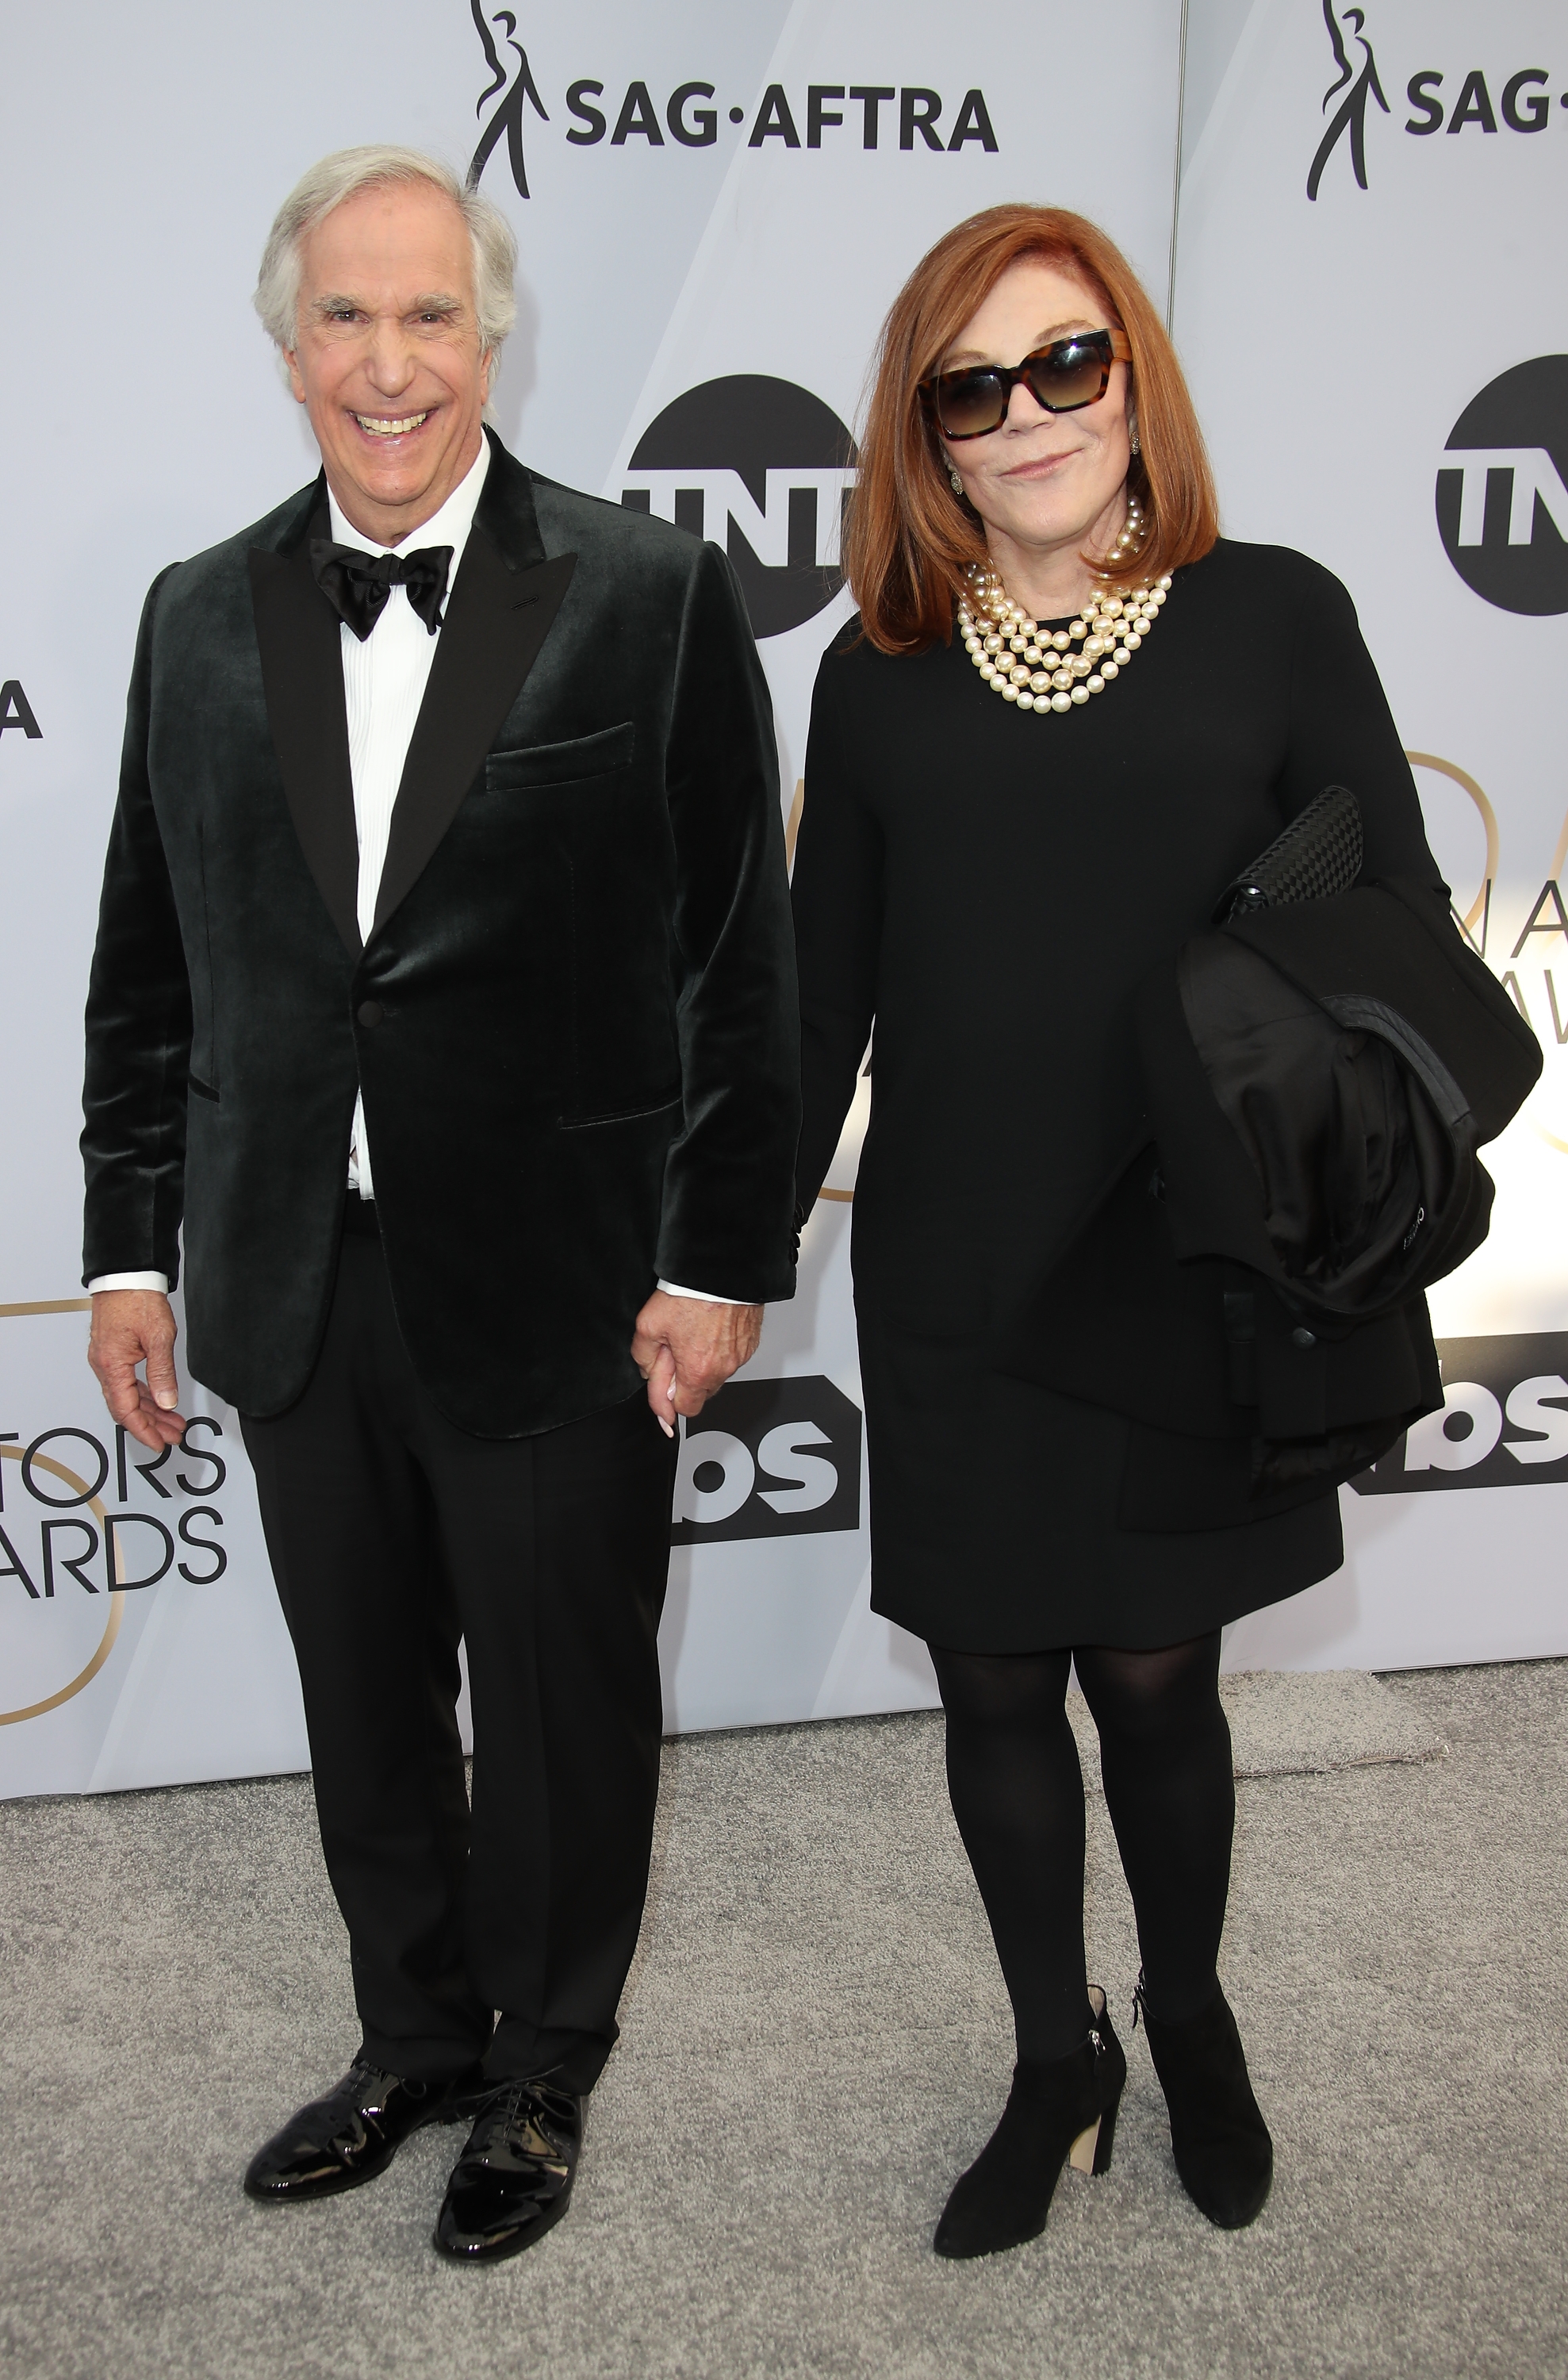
1041	670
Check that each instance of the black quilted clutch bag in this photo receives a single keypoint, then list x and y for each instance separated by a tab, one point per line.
1318	855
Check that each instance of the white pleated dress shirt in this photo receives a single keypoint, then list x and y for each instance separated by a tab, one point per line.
383	686
384	680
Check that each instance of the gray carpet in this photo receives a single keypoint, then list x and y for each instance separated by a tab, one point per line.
1298	1725
815	2043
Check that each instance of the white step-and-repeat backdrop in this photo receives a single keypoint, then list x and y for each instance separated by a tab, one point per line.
714	206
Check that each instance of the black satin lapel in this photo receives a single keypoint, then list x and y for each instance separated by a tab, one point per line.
496	622
506	511
301	648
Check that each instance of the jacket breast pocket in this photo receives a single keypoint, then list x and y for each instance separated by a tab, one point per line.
561	764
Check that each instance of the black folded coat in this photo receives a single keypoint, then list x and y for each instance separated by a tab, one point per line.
1320	1077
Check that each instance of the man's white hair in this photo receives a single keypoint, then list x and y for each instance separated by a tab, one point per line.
343	175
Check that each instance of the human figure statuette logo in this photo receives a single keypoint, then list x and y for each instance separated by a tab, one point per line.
1351	113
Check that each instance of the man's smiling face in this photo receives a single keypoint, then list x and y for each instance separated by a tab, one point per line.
388	361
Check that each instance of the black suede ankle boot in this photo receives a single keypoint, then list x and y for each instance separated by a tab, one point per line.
1221	2143
1066	2106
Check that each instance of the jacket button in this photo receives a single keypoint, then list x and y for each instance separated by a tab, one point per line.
370	1012
1299	1337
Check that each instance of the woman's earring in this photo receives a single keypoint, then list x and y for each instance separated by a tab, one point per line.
1133	442
957	485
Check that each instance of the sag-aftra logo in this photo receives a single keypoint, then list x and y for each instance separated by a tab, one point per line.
1499	95
17	712
620	112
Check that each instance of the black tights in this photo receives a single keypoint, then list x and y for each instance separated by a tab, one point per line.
1018	1796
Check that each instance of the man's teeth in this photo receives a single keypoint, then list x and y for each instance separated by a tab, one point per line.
380	428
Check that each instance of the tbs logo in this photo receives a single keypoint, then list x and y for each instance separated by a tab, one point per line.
1503	1423
768	1459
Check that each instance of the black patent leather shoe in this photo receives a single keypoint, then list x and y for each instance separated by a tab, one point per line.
513	2179
353	2133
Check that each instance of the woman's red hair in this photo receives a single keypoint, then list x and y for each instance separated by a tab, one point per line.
907	539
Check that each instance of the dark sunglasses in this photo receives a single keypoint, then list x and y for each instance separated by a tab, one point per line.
1060	378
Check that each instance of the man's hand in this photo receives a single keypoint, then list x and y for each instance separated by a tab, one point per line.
132	1327
686	1349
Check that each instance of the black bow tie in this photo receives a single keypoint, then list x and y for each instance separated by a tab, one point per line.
356	585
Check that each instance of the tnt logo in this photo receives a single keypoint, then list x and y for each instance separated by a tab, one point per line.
1503	1423
763	469
1502	500
768	1459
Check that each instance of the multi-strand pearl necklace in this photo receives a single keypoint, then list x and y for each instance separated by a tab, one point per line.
1040	669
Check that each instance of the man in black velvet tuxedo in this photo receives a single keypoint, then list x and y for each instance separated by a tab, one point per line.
445	990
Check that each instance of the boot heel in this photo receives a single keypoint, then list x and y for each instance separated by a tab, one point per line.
1091	2152
1107	2138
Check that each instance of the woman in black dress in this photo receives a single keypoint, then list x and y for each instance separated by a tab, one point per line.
1067	714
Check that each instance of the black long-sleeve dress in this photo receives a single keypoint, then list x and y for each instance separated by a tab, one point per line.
987	889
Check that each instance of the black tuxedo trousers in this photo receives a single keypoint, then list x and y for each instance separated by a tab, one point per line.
503	1931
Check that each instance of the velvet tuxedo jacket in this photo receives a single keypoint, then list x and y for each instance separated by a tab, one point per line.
575	1016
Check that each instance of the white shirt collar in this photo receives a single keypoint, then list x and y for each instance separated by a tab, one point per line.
450	525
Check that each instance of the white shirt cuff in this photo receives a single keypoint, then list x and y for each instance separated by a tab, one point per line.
704	1296
160	1281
